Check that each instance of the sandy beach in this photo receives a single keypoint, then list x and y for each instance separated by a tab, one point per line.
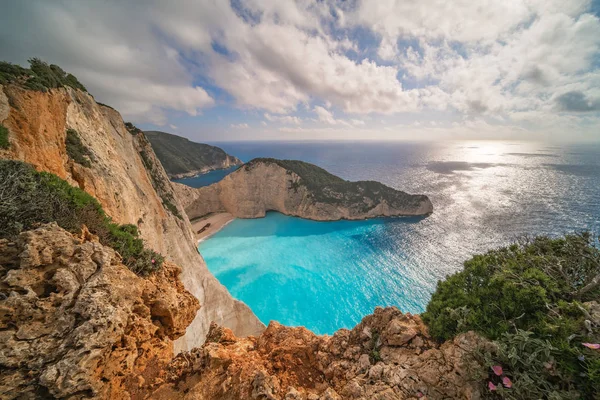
209	225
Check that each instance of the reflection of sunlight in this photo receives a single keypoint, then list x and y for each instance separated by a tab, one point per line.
489	150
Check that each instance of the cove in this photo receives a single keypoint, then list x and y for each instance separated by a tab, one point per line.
321	275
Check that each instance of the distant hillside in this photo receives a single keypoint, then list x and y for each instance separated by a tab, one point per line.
181	157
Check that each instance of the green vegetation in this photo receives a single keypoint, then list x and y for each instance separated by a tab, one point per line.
77	150
530	300
39	76
30	198
330	189
131	128
375	355
178	155
4	143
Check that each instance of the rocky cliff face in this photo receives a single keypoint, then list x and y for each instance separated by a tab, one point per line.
127	179
387	356
77	323
262	186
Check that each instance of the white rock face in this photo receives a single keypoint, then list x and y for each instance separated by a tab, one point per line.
251	192
127	190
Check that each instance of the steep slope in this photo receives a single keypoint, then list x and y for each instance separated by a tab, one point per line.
300	189
181	157
127	179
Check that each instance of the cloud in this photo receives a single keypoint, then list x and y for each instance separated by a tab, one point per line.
174	127
240	126
328	118
111	48
577	101
523	63
284	119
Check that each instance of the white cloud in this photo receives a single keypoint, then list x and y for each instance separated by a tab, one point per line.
111	48
518	61
328	118
240	126
284	119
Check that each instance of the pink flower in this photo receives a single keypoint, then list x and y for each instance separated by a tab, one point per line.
153	261
594	346
507	382
497	369
491	386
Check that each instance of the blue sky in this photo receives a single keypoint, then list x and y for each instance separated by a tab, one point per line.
215	70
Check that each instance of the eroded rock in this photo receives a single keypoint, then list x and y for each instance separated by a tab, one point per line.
294	363
77	323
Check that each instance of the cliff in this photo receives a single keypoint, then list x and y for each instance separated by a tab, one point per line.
387	356
299	189
181	157
75	322
127	179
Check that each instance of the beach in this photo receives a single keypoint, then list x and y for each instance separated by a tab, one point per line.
207	226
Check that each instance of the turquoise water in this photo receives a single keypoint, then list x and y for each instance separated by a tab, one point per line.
328	275
302	272
207	178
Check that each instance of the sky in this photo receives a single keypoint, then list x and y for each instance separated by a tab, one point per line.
217	70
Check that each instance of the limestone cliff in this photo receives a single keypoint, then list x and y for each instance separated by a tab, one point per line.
75	322
181	157
387	356
299	189
127	179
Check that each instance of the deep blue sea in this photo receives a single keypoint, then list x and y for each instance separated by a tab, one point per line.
328	275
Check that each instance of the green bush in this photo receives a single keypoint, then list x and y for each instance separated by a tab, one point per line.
131	128
528	298
31	198
4	143
40	76
77	150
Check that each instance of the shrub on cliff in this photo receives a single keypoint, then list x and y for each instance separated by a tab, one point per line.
77	150
29	198
4	143
131	128
529	299
39	76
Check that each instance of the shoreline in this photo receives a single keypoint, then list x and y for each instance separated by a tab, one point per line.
207	226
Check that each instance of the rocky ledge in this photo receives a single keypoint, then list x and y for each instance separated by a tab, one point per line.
299	189
387	356
76	323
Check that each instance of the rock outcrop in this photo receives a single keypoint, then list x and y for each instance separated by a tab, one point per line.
387	356
299	189
181	157
77	323
128	180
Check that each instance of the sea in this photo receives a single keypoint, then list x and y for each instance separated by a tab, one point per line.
329	275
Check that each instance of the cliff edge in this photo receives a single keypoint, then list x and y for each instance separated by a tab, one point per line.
300	189
121	170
